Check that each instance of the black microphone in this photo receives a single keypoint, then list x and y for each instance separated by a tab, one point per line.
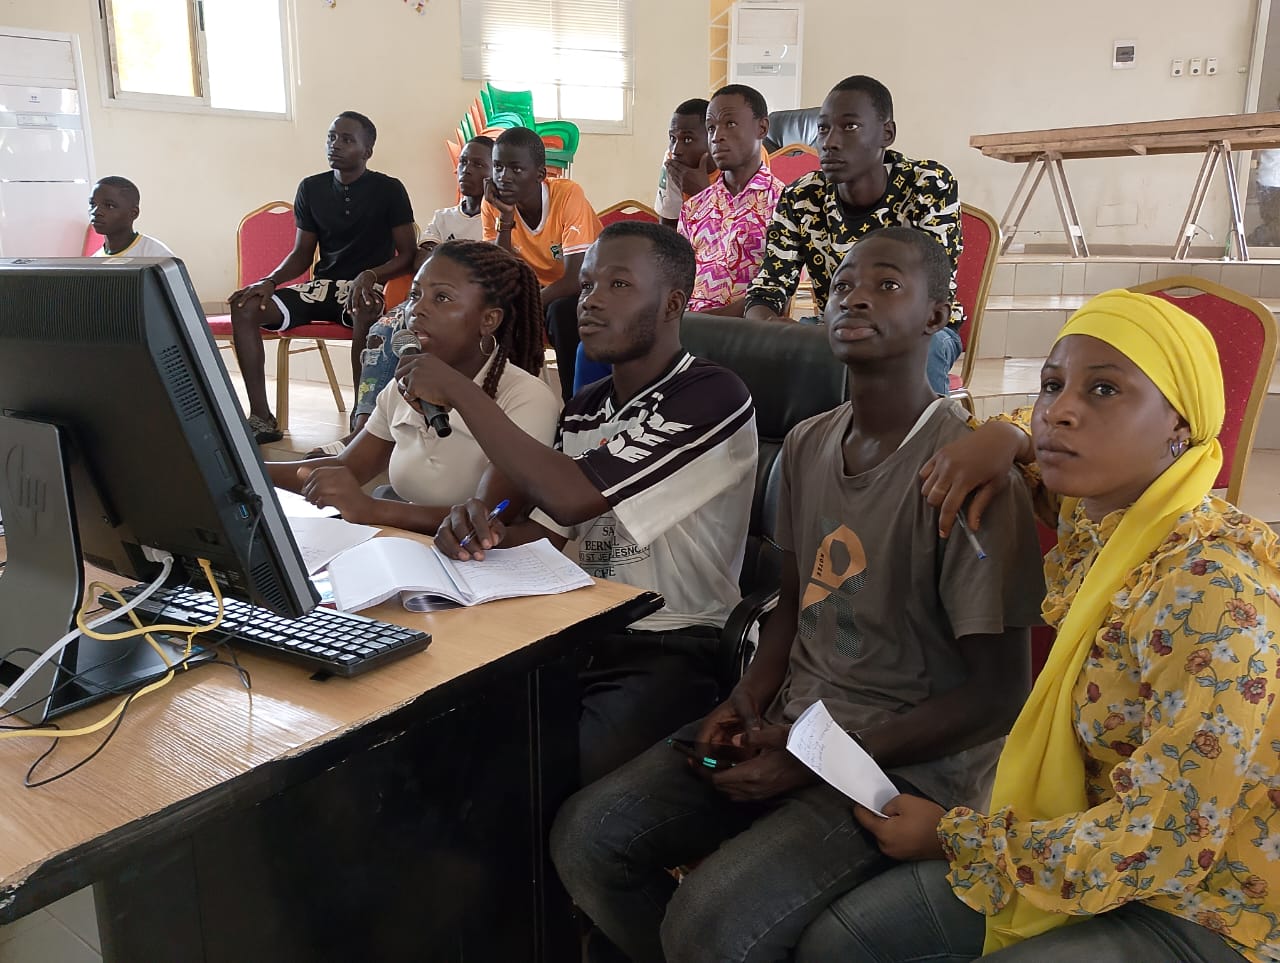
405	342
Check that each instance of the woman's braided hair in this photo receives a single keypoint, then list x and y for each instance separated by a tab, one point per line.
510	284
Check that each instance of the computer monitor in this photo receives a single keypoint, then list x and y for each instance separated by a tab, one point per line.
120	435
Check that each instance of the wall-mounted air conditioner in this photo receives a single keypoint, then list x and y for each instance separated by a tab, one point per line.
766	39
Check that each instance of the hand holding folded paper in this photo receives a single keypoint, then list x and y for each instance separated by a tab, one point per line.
817	741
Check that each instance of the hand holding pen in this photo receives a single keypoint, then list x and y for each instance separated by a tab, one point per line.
492	516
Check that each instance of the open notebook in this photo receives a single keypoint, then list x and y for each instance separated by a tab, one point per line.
382	567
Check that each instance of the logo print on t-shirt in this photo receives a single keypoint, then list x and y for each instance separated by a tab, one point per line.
557	252
839	573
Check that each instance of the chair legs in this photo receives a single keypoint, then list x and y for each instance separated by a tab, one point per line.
333	380
282	384
962	395
283	350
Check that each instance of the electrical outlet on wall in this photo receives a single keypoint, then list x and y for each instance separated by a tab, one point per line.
1211	65
1177	67
1197	66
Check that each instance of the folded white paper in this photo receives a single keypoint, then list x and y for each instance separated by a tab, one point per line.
828	750
321	540
295	506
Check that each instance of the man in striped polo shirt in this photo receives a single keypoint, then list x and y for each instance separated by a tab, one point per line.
652	474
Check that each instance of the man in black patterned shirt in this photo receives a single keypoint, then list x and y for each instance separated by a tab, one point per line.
862	186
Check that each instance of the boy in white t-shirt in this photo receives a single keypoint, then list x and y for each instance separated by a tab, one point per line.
113	207
462	221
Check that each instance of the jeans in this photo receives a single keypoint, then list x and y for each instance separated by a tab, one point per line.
944	349
636	688
768	868
562	332
910	915
378	364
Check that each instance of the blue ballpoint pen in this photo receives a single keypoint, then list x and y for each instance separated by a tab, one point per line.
973	539
497	510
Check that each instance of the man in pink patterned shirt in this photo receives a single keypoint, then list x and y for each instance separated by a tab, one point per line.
726	223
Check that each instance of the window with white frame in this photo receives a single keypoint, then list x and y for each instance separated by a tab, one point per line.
221	54
576	56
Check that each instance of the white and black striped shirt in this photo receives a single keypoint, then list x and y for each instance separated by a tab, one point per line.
677	466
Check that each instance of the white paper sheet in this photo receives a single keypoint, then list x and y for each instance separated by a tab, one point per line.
321	540
828	750
295	506
538	568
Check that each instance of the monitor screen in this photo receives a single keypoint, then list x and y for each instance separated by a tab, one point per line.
111	362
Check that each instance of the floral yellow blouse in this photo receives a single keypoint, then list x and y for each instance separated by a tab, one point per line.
1173	711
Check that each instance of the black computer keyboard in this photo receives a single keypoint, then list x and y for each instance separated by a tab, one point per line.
325	640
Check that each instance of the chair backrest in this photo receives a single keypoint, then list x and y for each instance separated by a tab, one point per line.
628	211
792	375
977	265
792	162
1245	333
264	239
93	242
798	126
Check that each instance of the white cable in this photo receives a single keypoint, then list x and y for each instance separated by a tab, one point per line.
166	563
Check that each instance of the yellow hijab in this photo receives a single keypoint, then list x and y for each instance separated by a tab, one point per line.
1041	771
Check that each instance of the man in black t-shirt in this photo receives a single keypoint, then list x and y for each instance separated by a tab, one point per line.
362	222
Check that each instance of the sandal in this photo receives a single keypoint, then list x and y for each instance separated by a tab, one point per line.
264	429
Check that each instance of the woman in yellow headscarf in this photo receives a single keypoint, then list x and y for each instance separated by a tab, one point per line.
1138	795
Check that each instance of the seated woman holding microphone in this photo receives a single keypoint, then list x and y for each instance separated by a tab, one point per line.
477	308
1138	795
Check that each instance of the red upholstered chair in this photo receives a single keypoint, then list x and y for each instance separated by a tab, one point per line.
627	211
792	162
981	237
93	242
263	239
1245	332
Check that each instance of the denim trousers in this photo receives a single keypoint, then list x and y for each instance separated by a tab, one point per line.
944	349
910	915
636	687
767	868
378	364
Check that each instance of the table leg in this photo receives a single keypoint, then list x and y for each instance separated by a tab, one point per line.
1182	245
1009	223
1066	207
1237	209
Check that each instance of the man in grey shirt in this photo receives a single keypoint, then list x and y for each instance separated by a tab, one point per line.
913	642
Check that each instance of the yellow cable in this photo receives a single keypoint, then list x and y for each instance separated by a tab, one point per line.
140	630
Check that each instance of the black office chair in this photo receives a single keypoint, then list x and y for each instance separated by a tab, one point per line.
792	375
798	126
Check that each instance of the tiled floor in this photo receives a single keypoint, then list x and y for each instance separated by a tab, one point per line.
66	932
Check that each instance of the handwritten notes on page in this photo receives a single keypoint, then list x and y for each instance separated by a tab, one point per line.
818	742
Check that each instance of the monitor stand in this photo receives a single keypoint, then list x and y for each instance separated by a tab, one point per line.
43	582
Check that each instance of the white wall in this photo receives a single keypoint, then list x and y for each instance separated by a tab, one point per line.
200	173
955	69
988	66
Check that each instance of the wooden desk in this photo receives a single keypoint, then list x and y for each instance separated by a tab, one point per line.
398	815
1043	151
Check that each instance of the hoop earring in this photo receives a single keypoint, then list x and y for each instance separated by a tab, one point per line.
1178	447
493	344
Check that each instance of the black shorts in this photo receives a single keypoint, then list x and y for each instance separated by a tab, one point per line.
319	300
